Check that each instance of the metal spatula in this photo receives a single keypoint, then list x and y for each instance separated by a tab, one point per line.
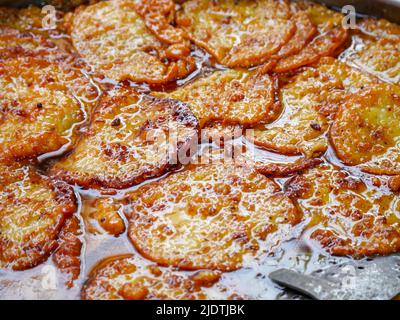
370	279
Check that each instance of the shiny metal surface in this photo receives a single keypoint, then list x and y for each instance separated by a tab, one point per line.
21	3
388	9
368	279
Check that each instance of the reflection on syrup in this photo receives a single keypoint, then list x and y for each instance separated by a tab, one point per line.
251	282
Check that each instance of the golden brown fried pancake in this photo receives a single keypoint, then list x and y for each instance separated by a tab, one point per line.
102	216
67	257
44	96
231	97
309	101
331	36
131	278
366	130
32	212
49	25
132	137
347	216
113	38
305	32
376	49
214	216
238	33
23	19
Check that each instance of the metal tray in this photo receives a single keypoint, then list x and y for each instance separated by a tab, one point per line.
388	9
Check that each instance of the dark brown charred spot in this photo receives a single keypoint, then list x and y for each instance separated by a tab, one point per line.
315	126
116	122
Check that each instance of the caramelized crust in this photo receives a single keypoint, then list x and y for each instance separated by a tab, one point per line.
132	137
120	44
23	19
331	36
366	130
347	216
376	49
238	33
305	32
231	97
67	257
130	278
32	212
103	216
215	216
44	96
309	102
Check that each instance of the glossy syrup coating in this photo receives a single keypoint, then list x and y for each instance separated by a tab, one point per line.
306	30
330	38
238	33
309	102
216	216
113	38
132	137
131	278
366	130
375	49
231	97
44	98
103	216
33	209
67	257
347	215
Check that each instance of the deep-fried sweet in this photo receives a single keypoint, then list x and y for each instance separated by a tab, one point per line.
366	130
33	209
117	42
67	257
231	97
331	36
347	216
131	278
309	102
238	33
214	216
376	49
44	96
103	215
305	32
132	137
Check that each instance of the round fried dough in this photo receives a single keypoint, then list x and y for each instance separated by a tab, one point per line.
132	278
347	216
330	37
237	33
114	39
366	130
32	212
376	50
44	96
231	97
215	216
22	19
310	100
305	32
132	137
